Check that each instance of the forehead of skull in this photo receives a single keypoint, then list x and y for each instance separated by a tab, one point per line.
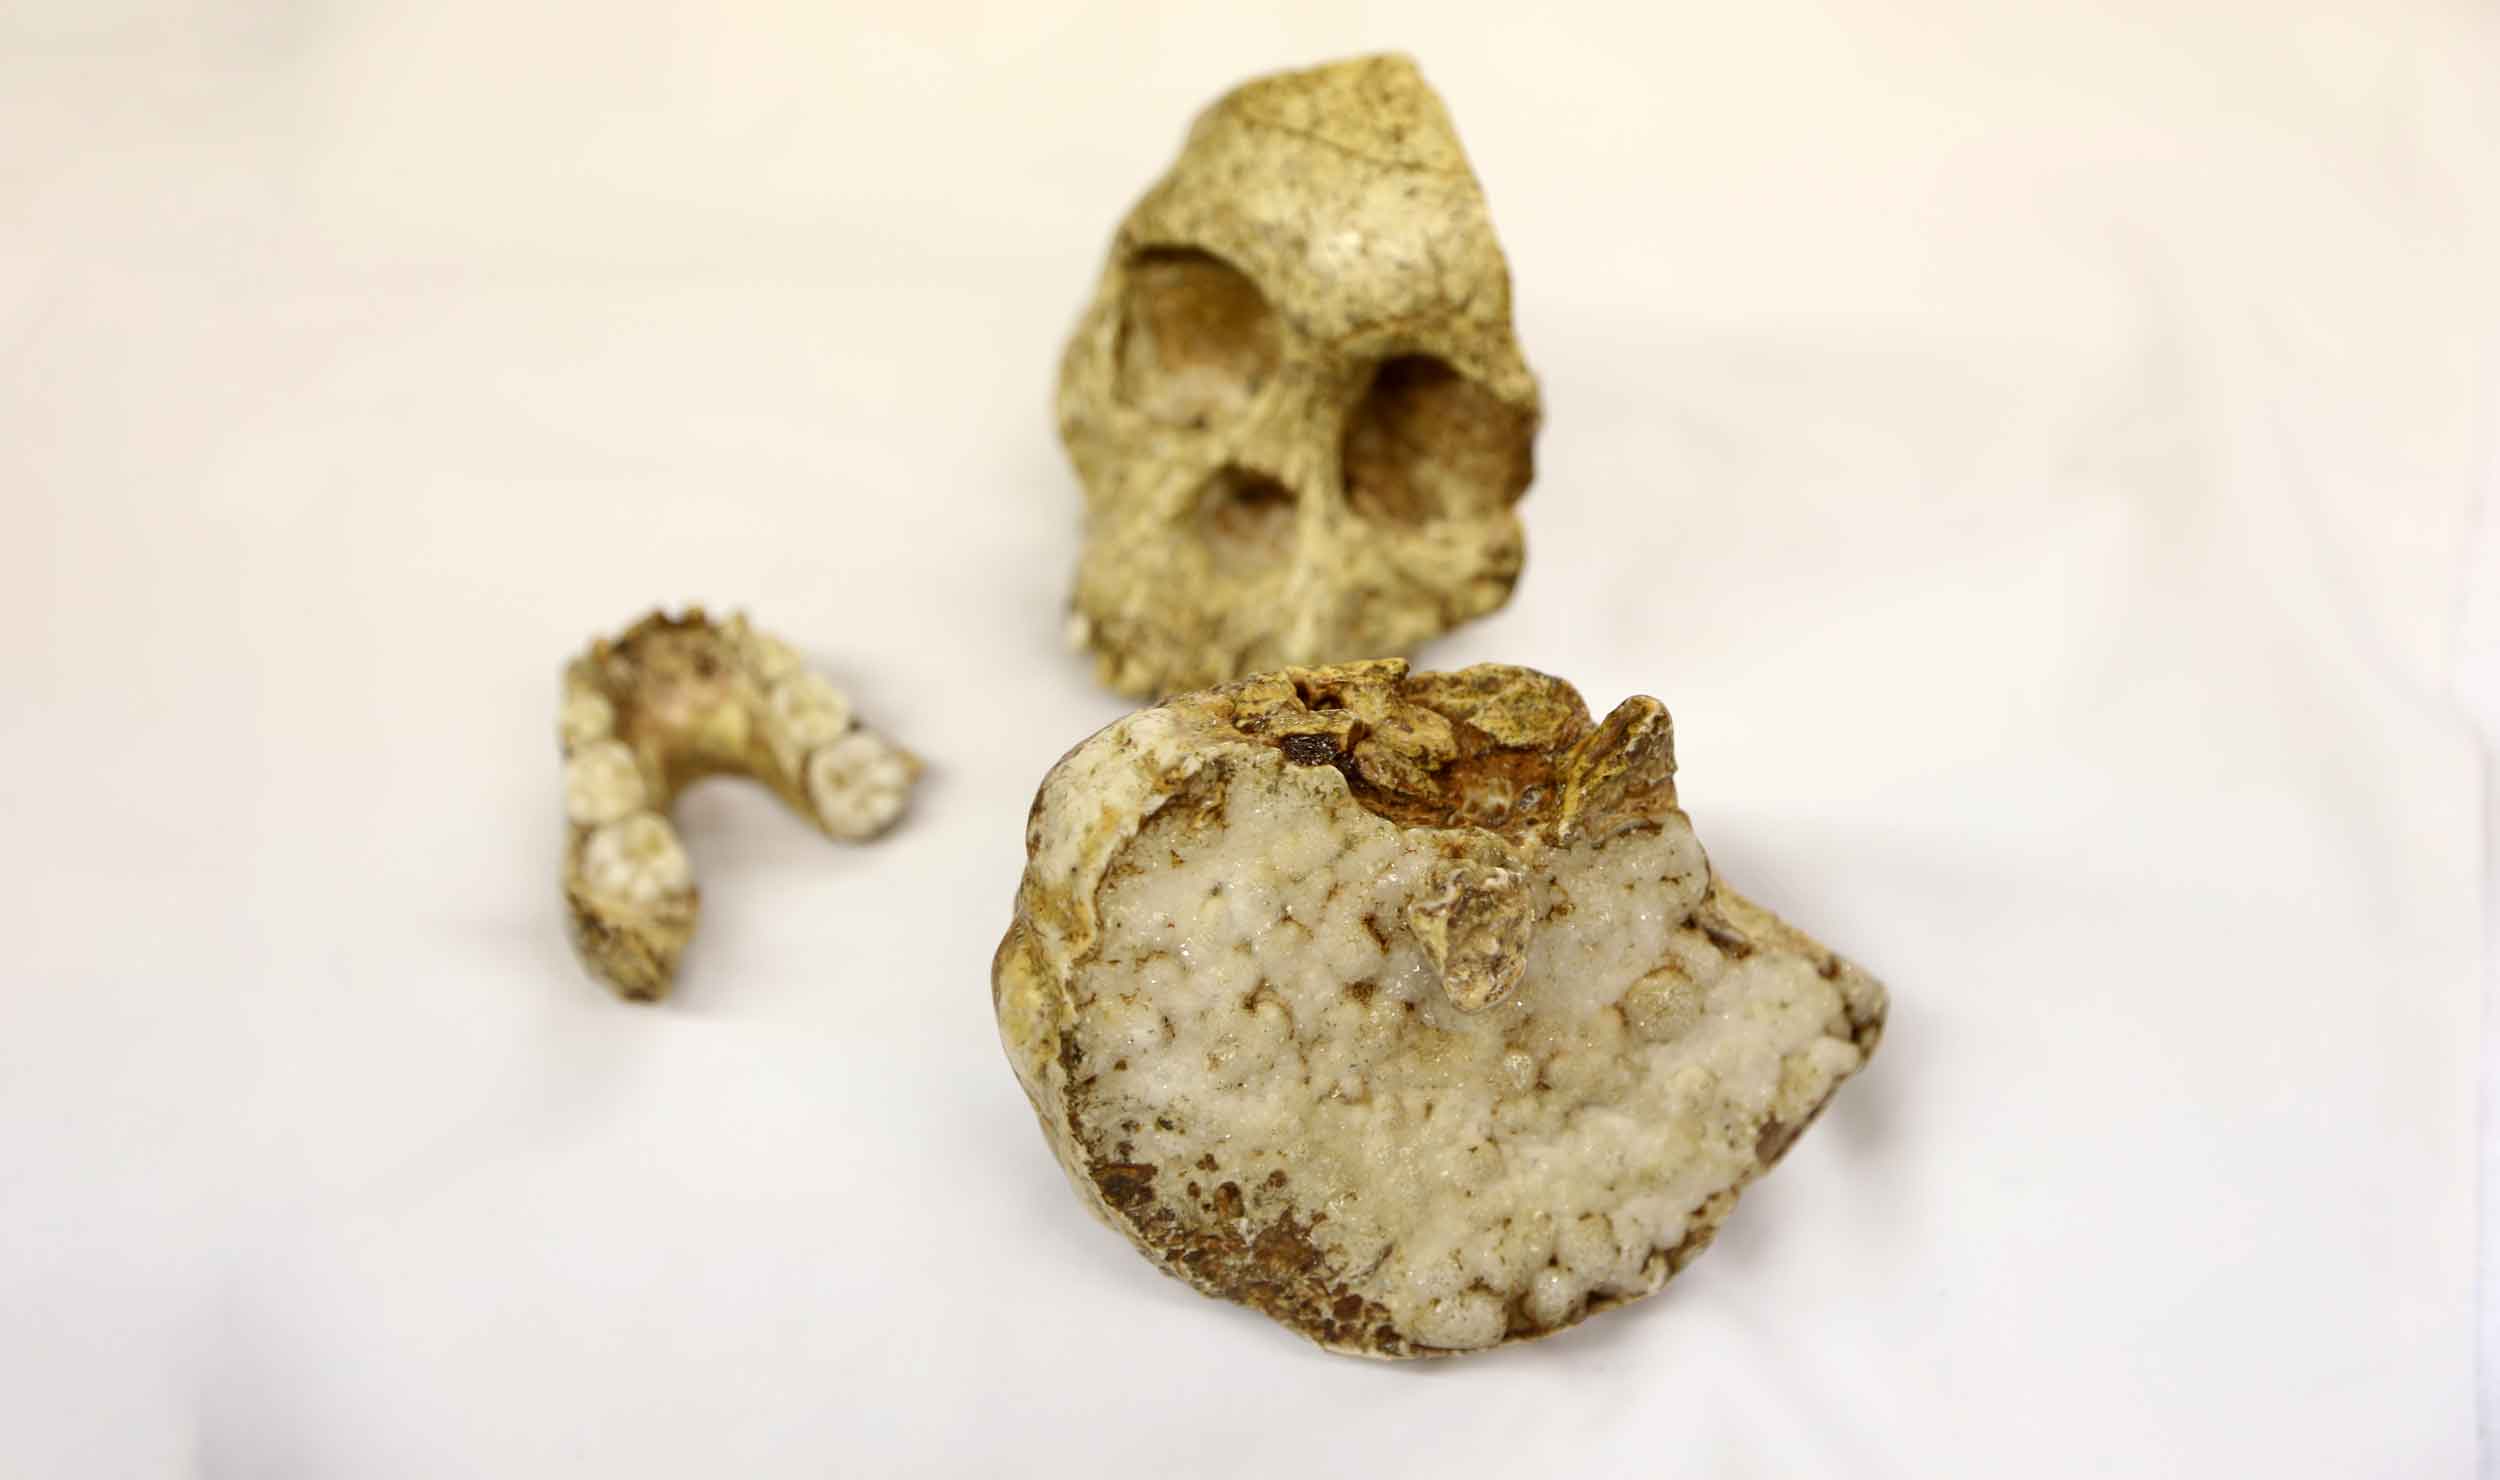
1343	194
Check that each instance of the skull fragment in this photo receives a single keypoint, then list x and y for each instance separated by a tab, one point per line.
1297	403
1406	1008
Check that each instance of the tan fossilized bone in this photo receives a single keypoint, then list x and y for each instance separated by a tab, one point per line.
1405	1008
669	701
1296	403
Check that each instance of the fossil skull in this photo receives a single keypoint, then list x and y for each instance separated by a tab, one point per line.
1297	403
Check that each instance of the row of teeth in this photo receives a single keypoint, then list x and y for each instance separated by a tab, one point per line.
856	782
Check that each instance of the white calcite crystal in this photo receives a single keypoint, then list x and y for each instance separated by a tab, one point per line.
1406	1009
670	701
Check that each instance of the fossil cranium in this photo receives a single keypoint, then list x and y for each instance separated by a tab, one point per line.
1297	403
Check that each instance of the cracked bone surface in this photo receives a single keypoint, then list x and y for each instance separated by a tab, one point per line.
1296	403
1405	1007
666	703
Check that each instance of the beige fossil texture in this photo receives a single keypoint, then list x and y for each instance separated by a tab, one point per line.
669	701
1405	1008
1296	403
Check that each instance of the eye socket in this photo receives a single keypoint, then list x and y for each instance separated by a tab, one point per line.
1427	443
1197	338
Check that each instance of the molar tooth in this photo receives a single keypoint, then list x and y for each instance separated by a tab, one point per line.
1624	771
1473	919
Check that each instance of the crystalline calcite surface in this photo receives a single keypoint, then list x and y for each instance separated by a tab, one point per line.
1405	1008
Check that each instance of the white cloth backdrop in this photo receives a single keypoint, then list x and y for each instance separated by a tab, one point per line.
2478	681
2030	451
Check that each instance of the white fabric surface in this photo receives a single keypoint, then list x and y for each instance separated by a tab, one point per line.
2478	684
2031	453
